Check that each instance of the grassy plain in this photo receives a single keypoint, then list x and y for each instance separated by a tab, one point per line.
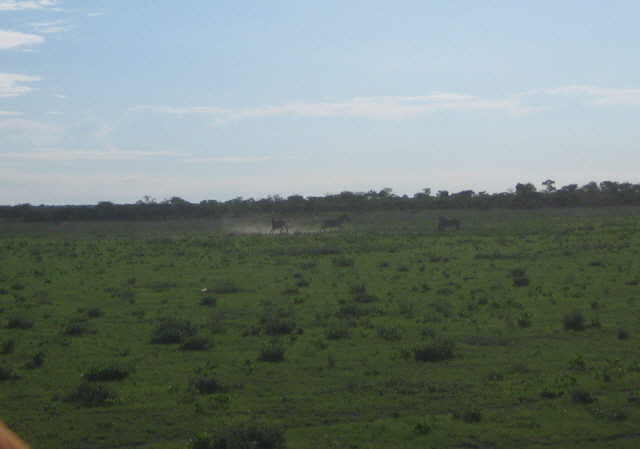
520	330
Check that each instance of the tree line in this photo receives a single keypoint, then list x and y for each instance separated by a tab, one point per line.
524	196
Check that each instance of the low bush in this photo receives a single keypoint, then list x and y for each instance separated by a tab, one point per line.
359	294
225	286
468	415
107	372
90	394
94	312
521	281
195	343
75	329
551	393
273	353
7	346
207	385
7	372
346	262
19	322
173	330
277	322
574	321
623	334
581	396
248	434
208	300
439	349
390	333
37	360
337	331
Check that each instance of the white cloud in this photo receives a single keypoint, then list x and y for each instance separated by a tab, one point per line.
6	113
396	107
391	107
592	95
11	84
20	5
14	39
242	160
31	132
57	26
63	155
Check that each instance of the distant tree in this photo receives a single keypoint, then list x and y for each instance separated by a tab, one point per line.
525	188
387	192
549	186
570	188
426	192
146	200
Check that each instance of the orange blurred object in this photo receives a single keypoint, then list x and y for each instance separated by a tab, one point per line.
9	440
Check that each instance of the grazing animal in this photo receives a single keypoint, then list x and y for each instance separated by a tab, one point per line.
337	223
443	223
283	225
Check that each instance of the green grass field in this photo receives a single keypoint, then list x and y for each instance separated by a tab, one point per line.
520	330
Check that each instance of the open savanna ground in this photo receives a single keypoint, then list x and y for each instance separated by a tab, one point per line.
519	330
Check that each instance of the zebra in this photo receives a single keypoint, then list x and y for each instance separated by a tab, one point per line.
279	224
337	223
443	223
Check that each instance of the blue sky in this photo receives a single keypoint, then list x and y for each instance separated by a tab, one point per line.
114	100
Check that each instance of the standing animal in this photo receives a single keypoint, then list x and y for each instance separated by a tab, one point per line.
283	225
443	223
337	223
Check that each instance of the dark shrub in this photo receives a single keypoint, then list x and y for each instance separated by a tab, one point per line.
195	343
173	330
277	322
549	393
390	333
439	349
290	291
581	396
20	322
422	428
521	281
91	394
210	301
359	294
7	346
225	286
75	329
337	331
248	434
469	415
37	360
623	334
94	312
272	353
574	321
7	372
207	385
524	321
344	262
107	372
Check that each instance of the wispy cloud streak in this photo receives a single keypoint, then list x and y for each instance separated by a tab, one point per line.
591	95
391	107
18	5
11	84
61	155
396	107
15	39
